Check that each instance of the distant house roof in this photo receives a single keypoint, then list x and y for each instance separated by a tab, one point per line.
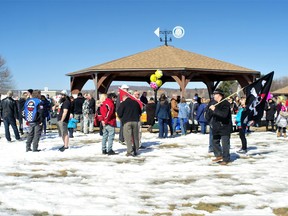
165	57
281	91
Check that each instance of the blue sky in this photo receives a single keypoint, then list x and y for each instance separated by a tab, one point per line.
43	40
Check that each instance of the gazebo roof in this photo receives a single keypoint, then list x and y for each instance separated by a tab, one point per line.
176	64
165	58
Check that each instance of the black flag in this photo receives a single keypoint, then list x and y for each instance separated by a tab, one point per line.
256	95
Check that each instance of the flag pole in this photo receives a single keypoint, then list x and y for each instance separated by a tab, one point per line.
230	96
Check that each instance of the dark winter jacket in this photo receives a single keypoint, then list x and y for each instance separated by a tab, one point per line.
270	109
163	110
8	108
78	103
200	113
150	111
129	111
220	119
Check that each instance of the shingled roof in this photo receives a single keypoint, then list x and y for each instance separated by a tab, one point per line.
283	91
165	57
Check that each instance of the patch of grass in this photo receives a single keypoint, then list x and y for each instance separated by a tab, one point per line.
172	207
187	205
223	176
60	173
210	207
163	214
12	209
15	174
281	211
184	181
142	212
88	141
236	193
191	214
38	163
41	214
130	160
145	197
238	207
171	145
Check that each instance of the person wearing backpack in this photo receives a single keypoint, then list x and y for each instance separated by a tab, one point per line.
34	115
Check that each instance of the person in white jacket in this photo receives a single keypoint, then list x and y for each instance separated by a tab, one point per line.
281	122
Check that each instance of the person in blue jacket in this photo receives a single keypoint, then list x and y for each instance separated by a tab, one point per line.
34	115
72	125
241	127
200	116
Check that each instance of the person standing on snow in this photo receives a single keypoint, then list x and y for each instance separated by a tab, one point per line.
108	120
219	117
9	114
63	118
34	116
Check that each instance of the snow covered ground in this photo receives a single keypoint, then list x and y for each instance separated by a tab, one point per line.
173	176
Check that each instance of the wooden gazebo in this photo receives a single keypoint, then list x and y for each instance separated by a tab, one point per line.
176	64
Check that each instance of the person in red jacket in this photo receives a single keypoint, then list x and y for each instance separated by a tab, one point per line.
108	120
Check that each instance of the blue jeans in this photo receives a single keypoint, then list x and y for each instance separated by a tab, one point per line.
163	128
225	150
108	134
174	124
7	122
203	127
183	126
210	140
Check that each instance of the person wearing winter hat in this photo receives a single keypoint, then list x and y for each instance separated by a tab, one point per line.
125	87
63	118
121	136
29	91
220	120
64	92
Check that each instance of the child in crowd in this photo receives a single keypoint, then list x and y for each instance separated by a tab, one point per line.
72	124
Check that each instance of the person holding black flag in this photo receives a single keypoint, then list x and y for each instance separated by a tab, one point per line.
219	118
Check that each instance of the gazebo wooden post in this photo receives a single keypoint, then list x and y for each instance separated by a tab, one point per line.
182	83
95	80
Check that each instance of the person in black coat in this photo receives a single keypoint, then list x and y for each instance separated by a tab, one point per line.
129	112
270	108
78	112
150	111
9	113
219	116
21	104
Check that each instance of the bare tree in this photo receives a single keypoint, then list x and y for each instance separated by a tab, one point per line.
279	83
6	82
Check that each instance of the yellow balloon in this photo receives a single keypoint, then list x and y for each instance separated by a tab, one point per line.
153	78
159	82
158	74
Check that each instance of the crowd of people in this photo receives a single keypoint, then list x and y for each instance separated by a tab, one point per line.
33	111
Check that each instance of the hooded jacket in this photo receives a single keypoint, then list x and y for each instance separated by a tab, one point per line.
107	111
